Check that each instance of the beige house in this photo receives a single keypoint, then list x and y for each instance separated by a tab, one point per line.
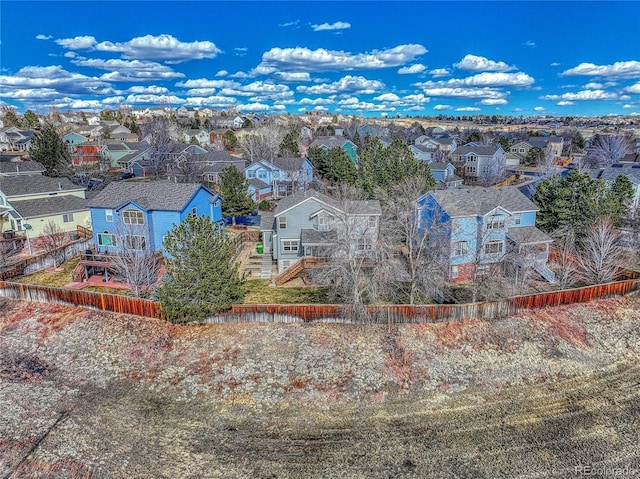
29	202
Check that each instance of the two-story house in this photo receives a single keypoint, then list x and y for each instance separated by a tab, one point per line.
141	214
611	172
328	142
284	175
30	202
550	145
478	164
481	227
307	223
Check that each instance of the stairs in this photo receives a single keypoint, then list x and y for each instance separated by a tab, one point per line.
544	271
266	265
291	272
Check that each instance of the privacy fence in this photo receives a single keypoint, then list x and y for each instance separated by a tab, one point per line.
338	313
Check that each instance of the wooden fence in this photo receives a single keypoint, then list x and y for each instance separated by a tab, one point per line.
338	313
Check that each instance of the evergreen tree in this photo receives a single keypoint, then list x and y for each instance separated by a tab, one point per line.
201	277
48	148
194	141
235	194
333	165
11	119
289	147
230	140
32	119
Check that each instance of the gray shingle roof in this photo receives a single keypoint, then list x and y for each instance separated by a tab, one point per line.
288	164
258	183
488	150
266	220
312	237
34	184
610	173
21	167
528	235
50	206
480	201
329	141
369	207
155	195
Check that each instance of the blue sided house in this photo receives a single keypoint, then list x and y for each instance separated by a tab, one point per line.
481	228
139	214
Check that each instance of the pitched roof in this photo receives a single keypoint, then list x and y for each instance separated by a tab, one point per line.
257	183
488	150
610	173
329	141
35	184
50	206
155	195
360	207
528	235
480	201
288	164
17	167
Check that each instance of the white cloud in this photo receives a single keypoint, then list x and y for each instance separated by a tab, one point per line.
331	26
154	99
438	91
538	108
129	70
315	101
583	95
354	104
254	107
493	101
468	108
594	86
387	97
442	107
211	101
555	64
347	84
162	47
222	73
440	72
290	24
529	43
415	68
201	92
54	77
482	64
77	43
633	88
293	76
628	106
43	37
628	69
156	90
565	103
303	59
205	83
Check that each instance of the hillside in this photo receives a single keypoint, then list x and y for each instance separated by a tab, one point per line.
87	394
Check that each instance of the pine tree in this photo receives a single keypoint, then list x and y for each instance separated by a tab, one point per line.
201	277
235	194
48	148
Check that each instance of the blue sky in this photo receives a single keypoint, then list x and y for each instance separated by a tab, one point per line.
365	58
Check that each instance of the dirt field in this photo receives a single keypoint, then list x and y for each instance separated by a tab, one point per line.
90	395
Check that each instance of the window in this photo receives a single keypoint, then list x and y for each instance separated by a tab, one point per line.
460	248
517	218
136	242
251	174
194	212
262	174
364	244
290	246
282	223
454	272
495	222
373	221
471	169
133	217
322	222
67	218
493	247
486	169
521	150
106	239
472	158
216	203
108	215
482	270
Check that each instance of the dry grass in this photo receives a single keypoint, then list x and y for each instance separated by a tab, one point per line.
260	292
55	279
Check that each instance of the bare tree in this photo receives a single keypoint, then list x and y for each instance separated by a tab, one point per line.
52	242
608	149
134	261
353	273
546	163
601	254
263	143
564	261
158	133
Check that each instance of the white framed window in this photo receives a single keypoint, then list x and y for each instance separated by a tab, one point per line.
495	222
521	150
486	169
322	222
454	271
471	169
291	246
135	242
108	216
364	244
106	239
251	174
133	217
216	203
282	222
493	247
373	221
460	248
517	218
67	218
262	174
194	212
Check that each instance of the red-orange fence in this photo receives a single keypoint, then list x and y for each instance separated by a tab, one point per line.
340	313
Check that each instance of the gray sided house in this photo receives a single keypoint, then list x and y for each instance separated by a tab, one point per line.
308	223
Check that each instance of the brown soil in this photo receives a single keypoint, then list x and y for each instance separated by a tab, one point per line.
92	395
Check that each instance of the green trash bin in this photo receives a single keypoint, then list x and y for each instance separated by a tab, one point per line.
260	248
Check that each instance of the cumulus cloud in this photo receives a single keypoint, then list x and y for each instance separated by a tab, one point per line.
554	64
156	90
316	101
482	64
331	26
583	95
387	97
129	70
488	93
415	68
565	103
529	43
78	43
206	83
154	99
347	84
493	101
633	88
627	69
538	108
290	24
54	77
442	107
162	47
43	37
222	73
440	72
304	59
292	76
468	108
